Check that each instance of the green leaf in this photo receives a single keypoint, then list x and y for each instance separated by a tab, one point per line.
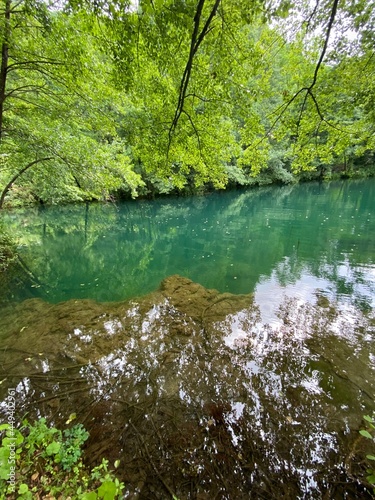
365	434
89	496
368	419
18	437
371	479
107	490
370	457
72	416
23	489
4	465
4	455
53	448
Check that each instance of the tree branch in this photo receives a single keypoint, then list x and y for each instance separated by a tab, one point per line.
195	130
326	40
25	88
196	40
4	60
17	175
317	67
33	64
187	71
308	22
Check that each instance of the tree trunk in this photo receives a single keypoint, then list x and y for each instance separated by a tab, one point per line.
4	63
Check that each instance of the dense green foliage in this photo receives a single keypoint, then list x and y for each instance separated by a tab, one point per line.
41	461
106	98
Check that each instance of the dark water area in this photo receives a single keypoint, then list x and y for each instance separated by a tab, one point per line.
221	346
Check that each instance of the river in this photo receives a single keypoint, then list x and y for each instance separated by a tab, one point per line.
242	318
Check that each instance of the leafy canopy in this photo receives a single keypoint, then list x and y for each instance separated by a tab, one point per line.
107	96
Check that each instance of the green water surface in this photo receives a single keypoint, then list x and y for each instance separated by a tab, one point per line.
274	240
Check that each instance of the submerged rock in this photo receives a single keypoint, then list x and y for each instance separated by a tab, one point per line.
87	330
192	393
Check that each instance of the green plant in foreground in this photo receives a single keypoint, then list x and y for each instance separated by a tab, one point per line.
39	461
369	433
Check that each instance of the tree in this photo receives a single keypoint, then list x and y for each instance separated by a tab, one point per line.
326	113
49	112
97	97
199	79
185	70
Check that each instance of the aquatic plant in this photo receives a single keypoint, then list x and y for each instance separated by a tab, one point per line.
369	433
38	460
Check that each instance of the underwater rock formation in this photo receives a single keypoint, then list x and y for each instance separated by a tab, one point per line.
193	393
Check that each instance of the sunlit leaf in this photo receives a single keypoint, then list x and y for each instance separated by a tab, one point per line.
365	434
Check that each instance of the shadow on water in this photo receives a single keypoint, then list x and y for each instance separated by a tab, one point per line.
195	396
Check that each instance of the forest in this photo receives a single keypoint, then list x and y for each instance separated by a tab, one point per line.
102	100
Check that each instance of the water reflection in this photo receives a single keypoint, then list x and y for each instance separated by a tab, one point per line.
196	396
229	241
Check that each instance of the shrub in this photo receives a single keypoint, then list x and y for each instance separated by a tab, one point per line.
38	461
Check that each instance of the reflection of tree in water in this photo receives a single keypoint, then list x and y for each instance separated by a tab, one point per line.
194	395
226	241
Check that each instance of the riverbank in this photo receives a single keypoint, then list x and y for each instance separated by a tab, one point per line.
278	173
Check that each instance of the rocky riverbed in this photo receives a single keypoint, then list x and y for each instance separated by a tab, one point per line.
195	395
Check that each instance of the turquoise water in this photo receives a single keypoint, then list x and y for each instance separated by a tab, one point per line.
293	240
236	406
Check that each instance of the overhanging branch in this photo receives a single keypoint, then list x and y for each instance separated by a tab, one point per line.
17	175
196	40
